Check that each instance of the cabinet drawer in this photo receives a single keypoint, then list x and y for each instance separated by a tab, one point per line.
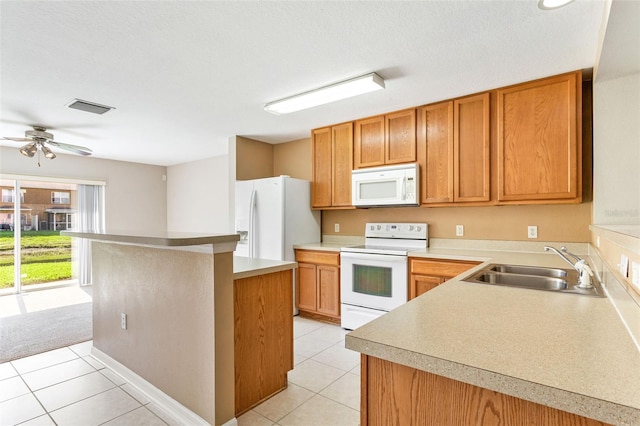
449	268
323	257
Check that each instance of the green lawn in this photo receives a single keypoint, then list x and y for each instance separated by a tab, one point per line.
46	257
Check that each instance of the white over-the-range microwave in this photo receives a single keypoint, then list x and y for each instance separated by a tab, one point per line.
385	186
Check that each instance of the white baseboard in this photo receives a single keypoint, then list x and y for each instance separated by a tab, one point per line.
232	422
169	406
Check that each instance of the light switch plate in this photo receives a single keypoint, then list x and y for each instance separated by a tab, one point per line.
624	265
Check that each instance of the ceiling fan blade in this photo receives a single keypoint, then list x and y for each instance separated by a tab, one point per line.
73	148
18	139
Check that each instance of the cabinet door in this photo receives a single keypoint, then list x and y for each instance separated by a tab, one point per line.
328	290
471	149
422	283
306	287
342	162
435	153
400	137
368	143
539	148
322	171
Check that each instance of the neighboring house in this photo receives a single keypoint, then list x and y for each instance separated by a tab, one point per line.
40	208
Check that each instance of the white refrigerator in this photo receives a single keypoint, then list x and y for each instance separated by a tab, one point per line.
272	215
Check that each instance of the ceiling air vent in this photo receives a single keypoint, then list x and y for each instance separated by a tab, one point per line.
89	106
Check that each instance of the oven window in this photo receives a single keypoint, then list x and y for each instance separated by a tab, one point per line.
372	280
378	190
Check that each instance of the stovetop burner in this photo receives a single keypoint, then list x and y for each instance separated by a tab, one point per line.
392	239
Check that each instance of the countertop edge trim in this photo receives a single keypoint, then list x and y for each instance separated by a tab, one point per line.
263	271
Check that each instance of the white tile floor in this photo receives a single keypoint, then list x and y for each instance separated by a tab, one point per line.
69	387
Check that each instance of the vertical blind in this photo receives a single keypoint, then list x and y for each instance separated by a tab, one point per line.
90	219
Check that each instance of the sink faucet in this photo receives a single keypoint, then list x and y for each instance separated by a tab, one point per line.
580	265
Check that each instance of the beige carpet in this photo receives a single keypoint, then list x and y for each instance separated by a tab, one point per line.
43	330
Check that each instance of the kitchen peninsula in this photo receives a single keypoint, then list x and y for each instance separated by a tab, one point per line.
165	318
466	353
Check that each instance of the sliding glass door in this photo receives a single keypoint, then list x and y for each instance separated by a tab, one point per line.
32	251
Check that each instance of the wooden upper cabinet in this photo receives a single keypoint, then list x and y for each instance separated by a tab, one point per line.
539	140
368	143
342	162
321	184
385	139
400	137
435	153
471	149
332	149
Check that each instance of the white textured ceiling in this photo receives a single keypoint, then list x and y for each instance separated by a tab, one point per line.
186	75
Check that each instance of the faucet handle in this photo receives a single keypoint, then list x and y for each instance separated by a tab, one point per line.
564	250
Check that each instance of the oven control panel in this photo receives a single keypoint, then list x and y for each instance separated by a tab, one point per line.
412	231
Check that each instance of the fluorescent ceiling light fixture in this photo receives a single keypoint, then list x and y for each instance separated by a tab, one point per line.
324	95
552	4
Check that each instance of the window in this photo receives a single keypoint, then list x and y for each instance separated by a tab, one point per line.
60	198
9	196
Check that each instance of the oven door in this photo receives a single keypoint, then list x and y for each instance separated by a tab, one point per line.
376	281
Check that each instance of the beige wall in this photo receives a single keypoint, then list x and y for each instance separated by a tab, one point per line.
196	195
293	159
158	331
558	222
563	223
175	338
135	194
254	159
617	150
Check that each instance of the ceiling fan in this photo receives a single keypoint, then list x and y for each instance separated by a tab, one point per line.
39	138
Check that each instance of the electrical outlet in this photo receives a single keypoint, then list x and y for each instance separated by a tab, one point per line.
532	231
635	274
459	230
123	321
336	227
598	241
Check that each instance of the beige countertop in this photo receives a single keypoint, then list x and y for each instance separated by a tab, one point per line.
321	246
246	267
164	240
562	350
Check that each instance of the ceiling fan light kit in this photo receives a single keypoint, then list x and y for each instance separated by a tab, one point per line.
38	139
29	150
324	95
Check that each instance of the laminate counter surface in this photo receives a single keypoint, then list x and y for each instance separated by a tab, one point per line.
164	240
566	351
246	267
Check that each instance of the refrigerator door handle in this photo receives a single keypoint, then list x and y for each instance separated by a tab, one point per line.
252	224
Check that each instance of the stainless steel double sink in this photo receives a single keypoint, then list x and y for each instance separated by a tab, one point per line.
533	277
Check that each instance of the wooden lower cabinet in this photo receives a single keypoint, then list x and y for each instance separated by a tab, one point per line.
318	284
263	333
394	394
427	274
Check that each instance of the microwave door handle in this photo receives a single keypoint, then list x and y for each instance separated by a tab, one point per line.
404	188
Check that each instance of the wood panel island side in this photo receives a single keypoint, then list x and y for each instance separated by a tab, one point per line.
179	341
